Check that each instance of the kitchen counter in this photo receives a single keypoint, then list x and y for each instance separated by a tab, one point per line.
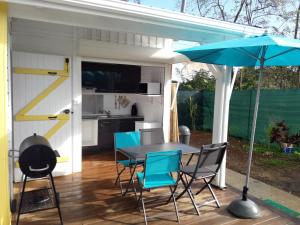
112	117
99	129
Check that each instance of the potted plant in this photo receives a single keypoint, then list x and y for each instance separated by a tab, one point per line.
280	134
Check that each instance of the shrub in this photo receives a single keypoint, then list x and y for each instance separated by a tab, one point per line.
280	134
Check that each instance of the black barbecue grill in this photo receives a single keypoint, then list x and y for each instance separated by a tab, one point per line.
37	160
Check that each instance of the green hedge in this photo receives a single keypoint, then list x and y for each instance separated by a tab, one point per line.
275	105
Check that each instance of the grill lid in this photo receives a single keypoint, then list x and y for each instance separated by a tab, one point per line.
37	159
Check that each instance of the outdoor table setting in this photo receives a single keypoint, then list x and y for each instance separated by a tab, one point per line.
160	161
138	153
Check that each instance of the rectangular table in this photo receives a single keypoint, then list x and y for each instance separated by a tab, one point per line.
139	153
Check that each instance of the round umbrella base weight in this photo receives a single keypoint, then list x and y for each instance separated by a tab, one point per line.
245	209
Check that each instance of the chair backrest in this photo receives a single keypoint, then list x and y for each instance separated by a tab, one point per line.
152	136
162	162
126	139
211	156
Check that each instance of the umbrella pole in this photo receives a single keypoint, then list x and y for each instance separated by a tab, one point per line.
245	208
245	189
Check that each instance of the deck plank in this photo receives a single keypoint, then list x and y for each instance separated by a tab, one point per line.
91	198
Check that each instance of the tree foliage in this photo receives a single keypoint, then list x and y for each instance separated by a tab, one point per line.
193	111
276	15
277	77
202	80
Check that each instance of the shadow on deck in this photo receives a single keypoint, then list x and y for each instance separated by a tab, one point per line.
91	198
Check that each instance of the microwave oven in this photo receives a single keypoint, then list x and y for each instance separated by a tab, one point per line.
149	88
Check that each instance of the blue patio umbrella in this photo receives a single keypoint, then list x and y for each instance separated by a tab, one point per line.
264	50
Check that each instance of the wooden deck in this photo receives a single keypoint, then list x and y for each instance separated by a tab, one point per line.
91	198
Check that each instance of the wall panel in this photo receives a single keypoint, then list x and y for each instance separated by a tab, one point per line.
26	87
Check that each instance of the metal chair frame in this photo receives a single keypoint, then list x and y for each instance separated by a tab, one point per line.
131	165
209	176
172	191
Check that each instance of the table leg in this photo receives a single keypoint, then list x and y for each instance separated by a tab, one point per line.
185	176
188	162
131	179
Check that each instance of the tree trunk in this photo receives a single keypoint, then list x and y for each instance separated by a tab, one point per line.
239	11
297	23
183	4
241	80
295	36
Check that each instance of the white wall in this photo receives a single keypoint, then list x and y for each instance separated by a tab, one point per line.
109	103
91	103
60	40
25	88
151	107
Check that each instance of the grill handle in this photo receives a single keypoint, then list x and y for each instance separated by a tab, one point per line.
38	170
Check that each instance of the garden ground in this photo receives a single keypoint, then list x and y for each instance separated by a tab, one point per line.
268	166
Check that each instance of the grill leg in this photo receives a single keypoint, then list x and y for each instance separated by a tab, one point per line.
56	199
21	200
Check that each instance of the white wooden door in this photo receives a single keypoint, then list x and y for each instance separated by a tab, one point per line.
45	95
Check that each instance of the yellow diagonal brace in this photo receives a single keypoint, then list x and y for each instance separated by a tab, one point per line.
54	129
40	97
31	71
42	117
43	72
62	118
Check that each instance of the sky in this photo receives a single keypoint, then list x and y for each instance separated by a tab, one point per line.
174	5
164	4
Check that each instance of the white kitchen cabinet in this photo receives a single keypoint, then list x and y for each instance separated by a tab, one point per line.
89	132
146	125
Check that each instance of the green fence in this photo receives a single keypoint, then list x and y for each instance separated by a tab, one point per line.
275	105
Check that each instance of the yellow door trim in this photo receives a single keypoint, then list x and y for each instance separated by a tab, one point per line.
61	73
22	115
5	217
43	72
54	129
42	117
40	97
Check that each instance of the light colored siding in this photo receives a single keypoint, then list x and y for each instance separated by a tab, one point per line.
27	87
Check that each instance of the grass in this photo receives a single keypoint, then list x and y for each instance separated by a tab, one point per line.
295	156
278	163
259	148
274	157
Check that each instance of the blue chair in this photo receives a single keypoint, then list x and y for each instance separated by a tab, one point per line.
158	172
124	140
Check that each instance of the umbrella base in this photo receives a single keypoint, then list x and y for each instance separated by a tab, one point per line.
245	209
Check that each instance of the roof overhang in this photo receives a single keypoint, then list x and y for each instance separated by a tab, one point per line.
127	17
